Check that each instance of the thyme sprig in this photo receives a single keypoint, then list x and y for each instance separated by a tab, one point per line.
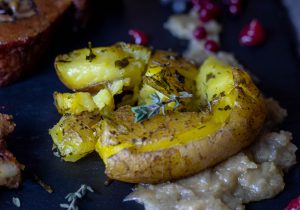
145	112
73	197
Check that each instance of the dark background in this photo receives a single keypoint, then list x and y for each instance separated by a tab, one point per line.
30	99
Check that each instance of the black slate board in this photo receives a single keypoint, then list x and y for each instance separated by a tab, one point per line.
30	100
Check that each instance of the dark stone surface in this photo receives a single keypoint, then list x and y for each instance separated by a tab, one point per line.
30	100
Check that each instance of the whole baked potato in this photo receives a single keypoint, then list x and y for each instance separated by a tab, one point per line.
180	144
224	115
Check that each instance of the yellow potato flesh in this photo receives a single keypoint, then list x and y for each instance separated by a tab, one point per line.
74	136
110	63
221	96
166	75
74	103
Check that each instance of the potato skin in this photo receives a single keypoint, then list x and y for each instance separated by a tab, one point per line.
184	158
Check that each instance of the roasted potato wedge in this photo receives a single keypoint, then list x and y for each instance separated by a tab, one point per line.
74	136
180	144
168	74
91	69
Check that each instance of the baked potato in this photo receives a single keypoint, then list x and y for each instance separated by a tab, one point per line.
180	144
74	136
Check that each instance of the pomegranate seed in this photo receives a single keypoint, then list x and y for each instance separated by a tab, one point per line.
211	46
138	36
208	11
200	33
252	34
294	204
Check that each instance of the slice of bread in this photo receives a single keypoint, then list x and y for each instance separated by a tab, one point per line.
23	41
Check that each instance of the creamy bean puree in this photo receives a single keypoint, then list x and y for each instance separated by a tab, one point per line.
251	175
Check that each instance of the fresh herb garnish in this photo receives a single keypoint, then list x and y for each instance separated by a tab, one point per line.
145	112
91	56
121	64
73	197
210	76
45	186
16	201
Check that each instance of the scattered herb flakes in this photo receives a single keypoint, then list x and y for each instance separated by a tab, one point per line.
172	57
73	197
222	94
45	186
121	64
91	56
179	77
16	201
210	76
227	107
214	97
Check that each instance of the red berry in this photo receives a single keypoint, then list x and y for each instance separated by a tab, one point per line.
138	36
252	34
294	204
205	15
208	11
211	46
200	33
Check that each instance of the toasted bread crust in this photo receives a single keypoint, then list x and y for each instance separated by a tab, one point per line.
23	41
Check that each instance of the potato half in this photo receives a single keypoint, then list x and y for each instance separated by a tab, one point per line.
180	144
90	69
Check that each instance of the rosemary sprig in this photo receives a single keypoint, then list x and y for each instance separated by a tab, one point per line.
145	112
73	197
